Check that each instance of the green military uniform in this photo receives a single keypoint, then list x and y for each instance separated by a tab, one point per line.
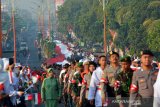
76	83
76	86
50	91
122	84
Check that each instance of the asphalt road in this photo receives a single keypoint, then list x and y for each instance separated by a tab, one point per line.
31	58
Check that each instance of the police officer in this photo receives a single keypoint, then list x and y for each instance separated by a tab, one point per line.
50	90
123	81
108	78
141	91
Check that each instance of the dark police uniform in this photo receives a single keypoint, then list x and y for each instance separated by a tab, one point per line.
141	91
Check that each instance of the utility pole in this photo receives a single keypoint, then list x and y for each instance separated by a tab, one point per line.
104	30
49	19
0	31
14	30
39	18
42	19
104	2
55	17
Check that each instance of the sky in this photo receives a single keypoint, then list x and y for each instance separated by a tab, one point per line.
30	5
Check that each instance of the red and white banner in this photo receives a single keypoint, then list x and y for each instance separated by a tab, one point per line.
63	52
10	77
29	97
37	98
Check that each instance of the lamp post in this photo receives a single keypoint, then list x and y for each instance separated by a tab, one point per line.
14	30
42	19
55	17
104	2
49	19
38	15
0	33
105	36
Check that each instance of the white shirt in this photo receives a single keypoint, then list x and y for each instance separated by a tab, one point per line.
156	86
94	93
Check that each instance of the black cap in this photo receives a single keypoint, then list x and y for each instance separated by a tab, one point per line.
66	65
146	52
113	53
11	61
92	63
126	59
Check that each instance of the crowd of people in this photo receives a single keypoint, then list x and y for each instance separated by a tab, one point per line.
125	83
121	82
16	81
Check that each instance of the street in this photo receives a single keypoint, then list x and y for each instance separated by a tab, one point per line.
79	53
31	58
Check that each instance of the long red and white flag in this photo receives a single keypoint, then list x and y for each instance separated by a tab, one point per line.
10	77
37	98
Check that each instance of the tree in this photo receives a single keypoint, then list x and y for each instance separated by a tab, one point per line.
136	21
85	16
153	38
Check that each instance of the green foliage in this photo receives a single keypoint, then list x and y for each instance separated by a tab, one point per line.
154	4
22	19
6	22
153	38
48	48
136	21
85	16
47	45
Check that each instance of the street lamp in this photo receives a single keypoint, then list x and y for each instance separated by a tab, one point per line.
14	30
49	19
0	33
41	15
104	3
38	14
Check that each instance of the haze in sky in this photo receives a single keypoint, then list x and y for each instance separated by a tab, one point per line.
31	5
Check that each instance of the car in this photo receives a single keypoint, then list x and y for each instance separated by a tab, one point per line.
23	46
